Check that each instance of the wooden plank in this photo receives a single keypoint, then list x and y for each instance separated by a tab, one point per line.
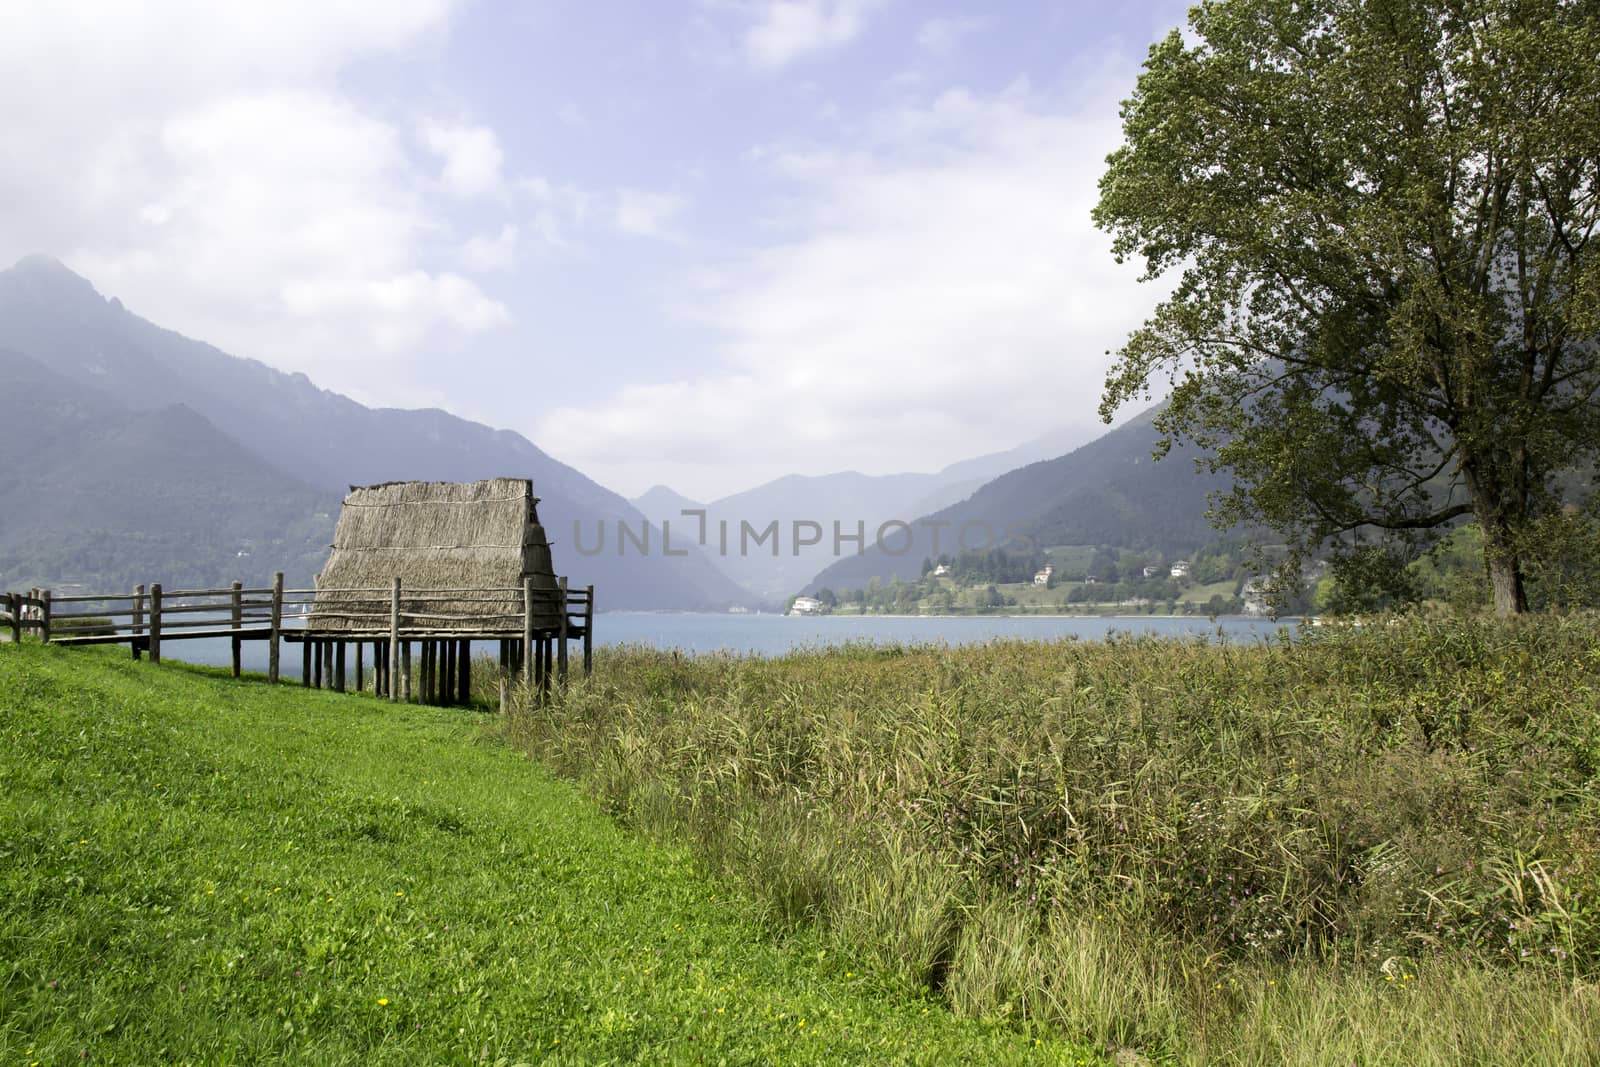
167	637
155	623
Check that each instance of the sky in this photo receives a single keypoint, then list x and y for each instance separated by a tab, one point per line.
703	243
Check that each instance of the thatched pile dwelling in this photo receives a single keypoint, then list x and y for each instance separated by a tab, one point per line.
477	540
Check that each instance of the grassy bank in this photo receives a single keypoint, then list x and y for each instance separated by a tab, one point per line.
195	870
1367	846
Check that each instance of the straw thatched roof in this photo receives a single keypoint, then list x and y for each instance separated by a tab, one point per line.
477	536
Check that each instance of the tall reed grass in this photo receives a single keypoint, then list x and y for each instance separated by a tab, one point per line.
1364	846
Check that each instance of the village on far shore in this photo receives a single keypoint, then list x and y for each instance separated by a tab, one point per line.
1218	579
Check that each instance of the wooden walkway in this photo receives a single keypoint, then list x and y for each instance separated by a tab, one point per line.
335	643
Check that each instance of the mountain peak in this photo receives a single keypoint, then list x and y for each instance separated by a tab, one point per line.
40	270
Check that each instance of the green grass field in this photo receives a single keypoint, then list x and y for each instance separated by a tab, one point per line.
198	870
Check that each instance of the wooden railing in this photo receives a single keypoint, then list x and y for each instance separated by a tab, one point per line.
147	618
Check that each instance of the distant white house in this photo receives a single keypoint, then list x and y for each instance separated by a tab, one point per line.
1180	569
1043	577
805	605
942	571
1257	596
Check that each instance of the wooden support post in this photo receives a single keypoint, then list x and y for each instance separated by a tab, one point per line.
527	627
465	670
305	661
237	620
327	660
360	682
277	627
405	671
394	636
561	634
338	666
44	615
380	653
445	654
505	654
549	666
316	660
588	632
15	600
155	623
138	621
425	670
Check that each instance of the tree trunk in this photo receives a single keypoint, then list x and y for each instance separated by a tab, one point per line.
1505	570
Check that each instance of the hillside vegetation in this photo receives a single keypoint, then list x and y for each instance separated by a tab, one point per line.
200	871
1376	845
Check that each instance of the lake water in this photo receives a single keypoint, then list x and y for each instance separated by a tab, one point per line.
773	635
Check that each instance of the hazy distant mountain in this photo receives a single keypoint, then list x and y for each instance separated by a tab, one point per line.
96	494
659	502
771	568
328	441
1109	491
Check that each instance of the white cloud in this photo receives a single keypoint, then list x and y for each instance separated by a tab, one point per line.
942	35
485	253
946	295
470	155
201	161
779	32
644	213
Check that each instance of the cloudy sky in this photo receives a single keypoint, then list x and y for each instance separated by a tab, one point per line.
702	242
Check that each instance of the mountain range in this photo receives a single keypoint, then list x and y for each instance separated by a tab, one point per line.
1109	491
118	410
779	566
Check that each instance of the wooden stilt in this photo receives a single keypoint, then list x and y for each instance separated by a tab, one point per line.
405	671
588	632
338	666
465	670
138	621
305	662
316	663
561	636
237	620
505	654
277	628
394	637
360	687
154	645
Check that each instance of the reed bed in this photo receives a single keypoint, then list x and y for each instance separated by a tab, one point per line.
1364	845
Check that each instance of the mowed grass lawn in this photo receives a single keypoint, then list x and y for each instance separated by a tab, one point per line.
198	870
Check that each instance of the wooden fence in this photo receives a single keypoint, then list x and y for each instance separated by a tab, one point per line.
442	622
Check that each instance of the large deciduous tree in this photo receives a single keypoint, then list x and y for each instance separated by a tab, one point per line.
1380	216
